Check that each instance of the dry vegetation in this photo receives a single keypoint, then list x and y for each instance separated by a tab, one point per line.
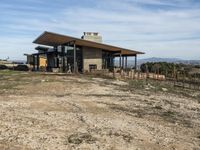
41	111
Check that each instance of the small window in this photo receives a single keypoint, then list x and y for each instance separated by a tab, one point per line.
92	67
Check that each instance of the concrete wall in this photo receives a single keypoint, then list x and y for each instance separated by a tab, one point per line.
97	39
92	36
92	56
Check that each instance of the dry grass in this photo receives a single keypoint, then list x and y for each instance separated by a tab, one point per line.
44	111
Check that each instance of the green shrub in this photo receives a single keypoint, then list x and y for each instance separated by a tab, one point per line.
21	68
3	67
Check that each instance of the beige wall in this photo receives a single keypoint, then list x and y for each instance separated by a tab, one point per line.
92	56
43	62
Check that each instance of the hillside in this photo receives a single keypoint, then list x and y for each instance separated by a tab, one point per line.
157	59
170	60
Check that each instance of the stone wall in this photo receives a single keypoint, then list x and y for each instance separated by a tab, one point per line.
92	56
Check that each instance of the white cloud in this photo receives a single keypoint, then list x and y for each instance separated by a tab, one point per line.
158	32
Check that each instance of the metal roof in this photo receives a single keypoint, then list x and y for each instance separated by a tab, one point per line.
54	39
42	48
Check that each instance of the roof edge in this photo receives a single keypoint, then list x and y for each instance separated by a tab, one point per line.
48	32
39	37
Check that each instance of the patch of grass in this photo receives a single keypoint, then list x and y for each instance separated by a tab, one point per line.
79	138
137	84
60	95
174	117
126	136
198	98
107	95
157	87
9	80
158	107
7	72
139	113
168	116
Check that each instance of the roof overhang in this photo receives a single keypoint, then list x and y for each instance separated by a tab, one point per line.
42	48
54	39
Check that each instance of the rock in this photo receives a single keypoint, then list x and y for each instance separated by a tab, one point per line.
164	89
147	88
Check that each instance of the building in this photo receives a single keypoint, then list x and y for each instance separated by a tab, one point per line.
69	54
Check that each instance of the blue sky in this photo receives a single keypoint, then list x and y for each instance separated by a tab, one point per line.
160	28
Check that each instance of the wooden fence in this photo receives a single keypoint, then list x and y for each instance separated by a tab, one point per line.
137	75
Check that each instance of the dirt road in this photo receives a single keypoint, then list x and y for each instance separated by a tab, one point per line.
65	112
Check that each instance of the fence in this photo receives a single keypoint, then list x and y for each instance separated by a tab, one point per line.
189	83
128	74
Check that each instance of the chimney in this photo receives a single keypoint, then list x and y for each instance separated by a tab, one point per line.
92	36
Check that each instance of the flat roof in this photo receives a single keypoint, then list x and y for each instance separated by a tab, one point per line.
54	39
42	48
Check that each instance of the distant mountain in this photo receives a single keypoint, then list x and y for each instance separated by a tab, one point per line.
157	59
169	60
131	63
12	61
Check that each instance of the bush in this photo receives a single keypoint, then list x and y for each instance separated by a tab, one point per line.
3	67
21	68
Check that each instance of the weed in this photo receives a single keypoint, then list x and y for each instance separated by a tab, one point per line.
107	95
79	138
135	112
158	107
126	136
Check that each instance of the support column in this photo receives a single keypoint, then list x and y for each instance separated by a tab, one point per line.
120	61
75	62
126	63
33	62
113	65
135	62
38	63
63	59
57	59
113	62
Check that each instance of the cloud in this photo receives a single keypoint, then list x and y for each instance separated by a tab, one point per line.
159	28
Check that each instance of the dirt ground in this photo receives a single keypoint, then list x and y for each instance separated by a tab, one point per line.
55	112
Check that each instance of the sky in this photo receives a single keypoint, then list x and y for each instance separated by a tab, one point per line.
160	28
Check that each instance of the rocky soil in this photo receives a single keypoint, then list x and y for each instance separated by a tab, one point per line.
39	111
